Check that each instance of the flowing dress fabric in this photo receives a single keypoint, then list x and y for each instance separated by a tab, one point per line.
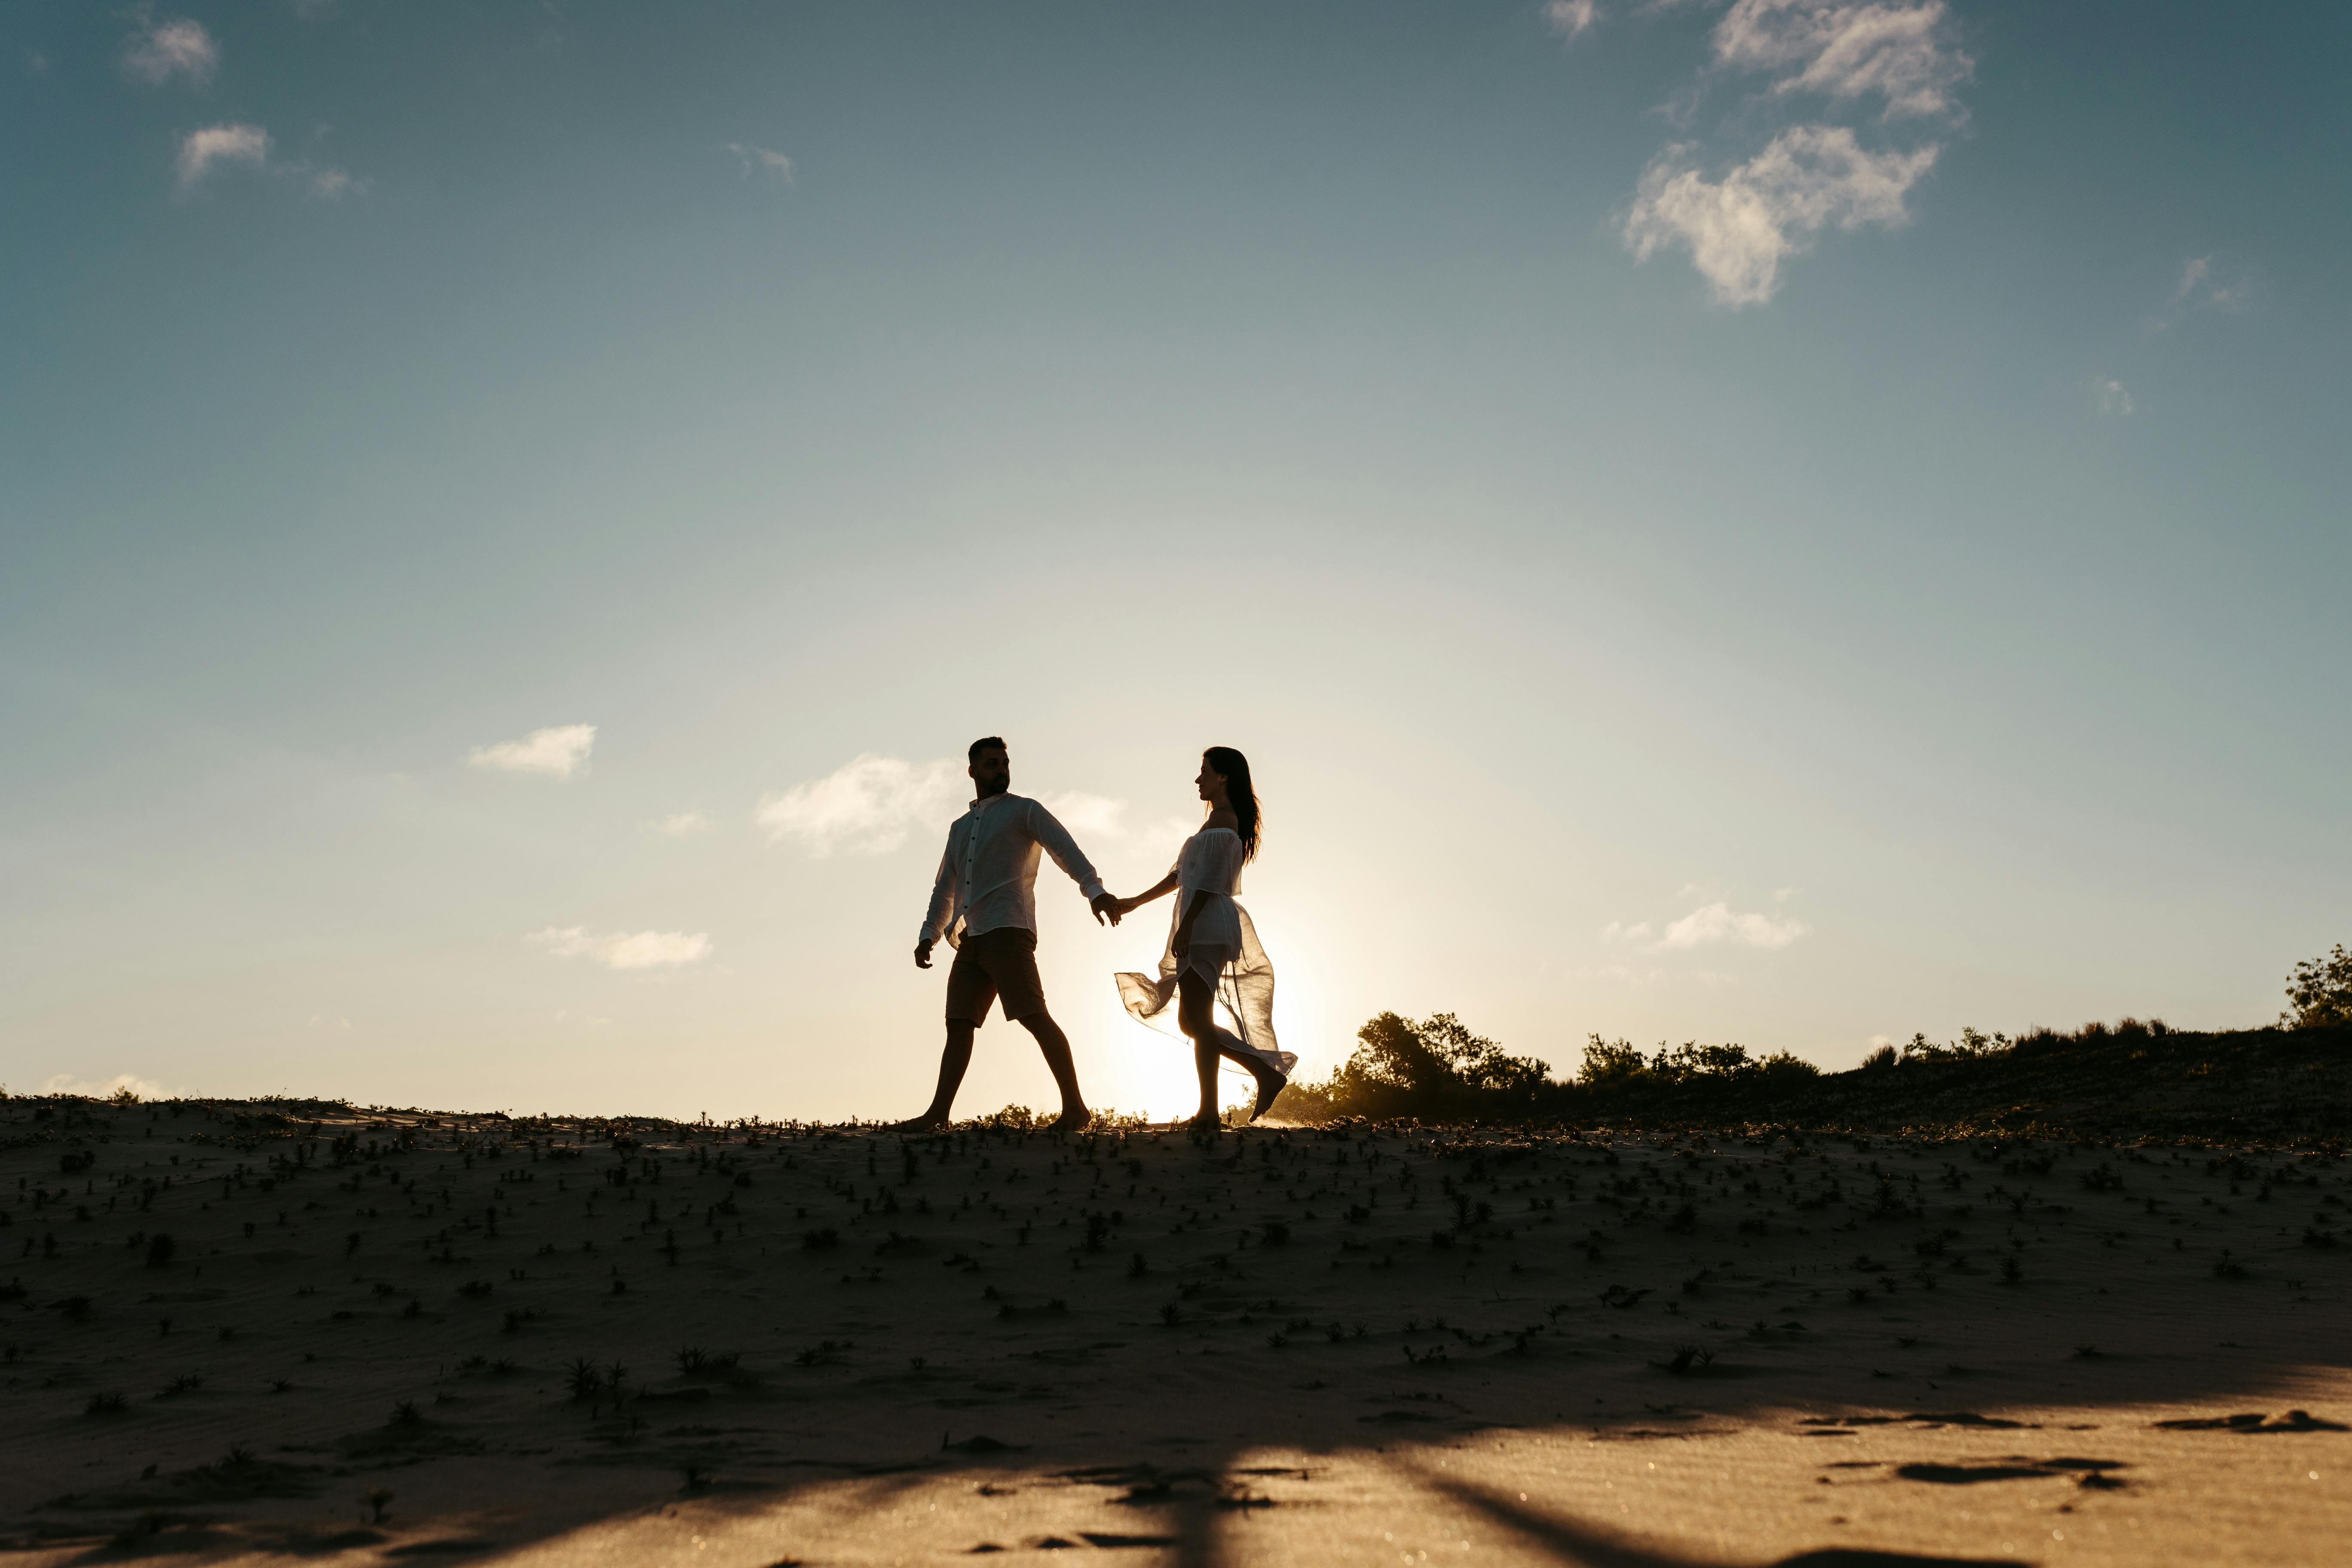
1224	952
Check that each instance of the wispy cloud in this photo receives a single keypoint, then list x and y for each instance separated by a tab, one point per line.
871	803
1847	49
1087	815
162	50
329	184
1569	18
557	751
1719	922
2200	289
760	161
626	951
107	1087
866	806
1739	228
683	823
1706	926
2114	398
203	149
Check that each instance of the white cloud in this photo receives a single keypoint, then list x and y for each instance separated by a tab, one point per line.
333	184
1621	973
639	950
106	1088
866	806
871	803
201	149
2113	398
1618	930
1569	18
1849	50
2199	289
166	50
682	824
559	752
775	166
1738	229
1095	816
1719	921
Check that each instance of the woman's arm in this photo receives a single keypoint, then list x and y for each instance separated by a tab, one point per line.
1159	889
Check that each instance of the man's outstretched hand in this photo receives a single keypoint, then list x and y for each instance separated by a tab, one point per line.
1105	906
923	955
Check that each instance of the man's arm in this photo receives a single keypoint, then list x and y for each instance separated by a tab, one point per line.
935	919
1055	840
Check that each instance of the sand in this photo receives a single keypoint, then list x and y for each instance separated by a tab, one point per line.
389	1337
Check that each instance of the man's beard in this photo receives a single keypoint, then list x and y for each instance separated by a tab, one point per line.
990	789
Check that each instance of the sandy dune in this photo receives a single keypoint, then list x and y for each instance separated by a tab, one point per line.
395	1337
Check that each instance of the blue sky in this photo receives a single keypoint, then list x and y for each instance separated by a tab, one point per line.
1792	521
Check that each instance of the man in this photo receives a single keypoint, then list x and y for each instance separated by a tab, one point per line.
984	902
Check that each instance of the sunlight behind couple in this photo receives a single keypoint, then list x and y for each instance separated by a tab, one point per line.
1147	1073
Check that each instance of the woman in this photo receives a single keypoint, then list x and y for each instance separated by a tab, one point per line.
1212	953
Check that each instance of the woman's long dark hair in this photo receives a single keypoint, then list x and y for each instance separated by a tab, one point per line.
1235	768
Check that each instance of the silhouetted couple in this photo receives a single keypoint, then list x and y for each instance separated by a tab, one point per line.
984	902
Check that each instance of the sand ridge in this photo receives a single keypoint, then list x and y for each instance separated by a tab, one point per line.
376	1335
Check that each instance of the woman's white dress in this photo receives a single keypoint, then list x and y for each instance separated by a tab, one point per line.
1225	951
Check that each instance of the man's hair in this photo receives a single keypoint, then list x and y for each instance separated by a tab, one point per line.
985	743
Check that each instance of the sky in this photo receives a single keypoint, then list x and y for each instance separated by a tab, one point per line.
1787	522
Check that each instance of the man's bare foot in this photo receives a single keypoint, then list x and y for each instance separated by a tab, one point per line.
1071	1120
927	1122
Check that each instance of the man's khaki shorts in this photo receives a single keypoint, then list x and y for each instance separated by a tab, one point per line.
997	964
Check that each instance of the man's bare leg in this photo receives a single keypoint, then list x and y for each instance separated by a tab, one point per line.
954	1061
1055	1045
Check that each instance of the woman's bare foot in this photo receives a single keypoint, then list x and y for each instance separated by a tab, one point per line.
1270	1084
1206	1122
930	1122
1074	1121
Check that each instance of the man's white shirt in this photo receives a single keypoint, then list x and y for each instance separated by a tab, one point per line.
988	876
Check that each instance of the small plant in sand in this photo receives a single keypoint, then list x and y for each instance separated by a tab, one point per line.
377	1499
106	1405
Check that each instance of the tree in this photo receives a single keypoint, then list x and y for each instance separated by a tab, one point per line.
1609	1061
1435	1057
2321	990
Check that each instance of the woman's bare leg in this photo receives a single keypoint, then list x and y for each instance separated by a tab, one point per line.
1270	1083
1197	1018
